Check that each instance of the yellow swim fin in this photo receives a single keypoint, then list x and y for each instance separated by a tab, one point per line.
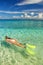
30	49
31	46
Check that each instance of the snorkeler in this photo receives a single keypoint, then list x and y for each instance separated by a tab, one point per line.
13	41
28	47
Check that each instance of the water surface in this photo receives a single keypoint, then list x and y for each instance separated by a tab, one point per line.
25	31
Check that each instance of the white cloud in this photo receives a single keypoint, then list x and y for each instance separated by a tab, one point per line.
17	12
0	17
32	13
22	16
29	2
11	12
32	10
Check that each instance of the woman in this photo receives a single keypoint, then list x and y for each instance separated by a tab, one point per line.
13	41
27	47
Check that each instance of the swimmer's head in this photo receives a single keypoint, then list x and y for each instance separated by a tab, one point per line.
6	37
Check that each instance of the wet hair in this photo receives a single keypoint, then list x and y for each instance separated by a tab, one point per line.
6	37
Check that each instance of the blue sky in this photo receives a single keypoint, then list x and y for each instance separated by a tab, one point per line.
8	8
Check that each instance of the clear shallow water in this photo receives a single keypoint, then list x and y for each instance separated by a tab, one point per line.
14	55
10	54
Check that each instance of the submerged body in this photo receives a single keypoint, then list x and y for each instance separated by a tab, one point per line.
28	48
13	41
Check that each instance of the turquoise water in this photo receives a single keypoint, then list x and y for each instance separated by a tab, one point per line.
24	31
